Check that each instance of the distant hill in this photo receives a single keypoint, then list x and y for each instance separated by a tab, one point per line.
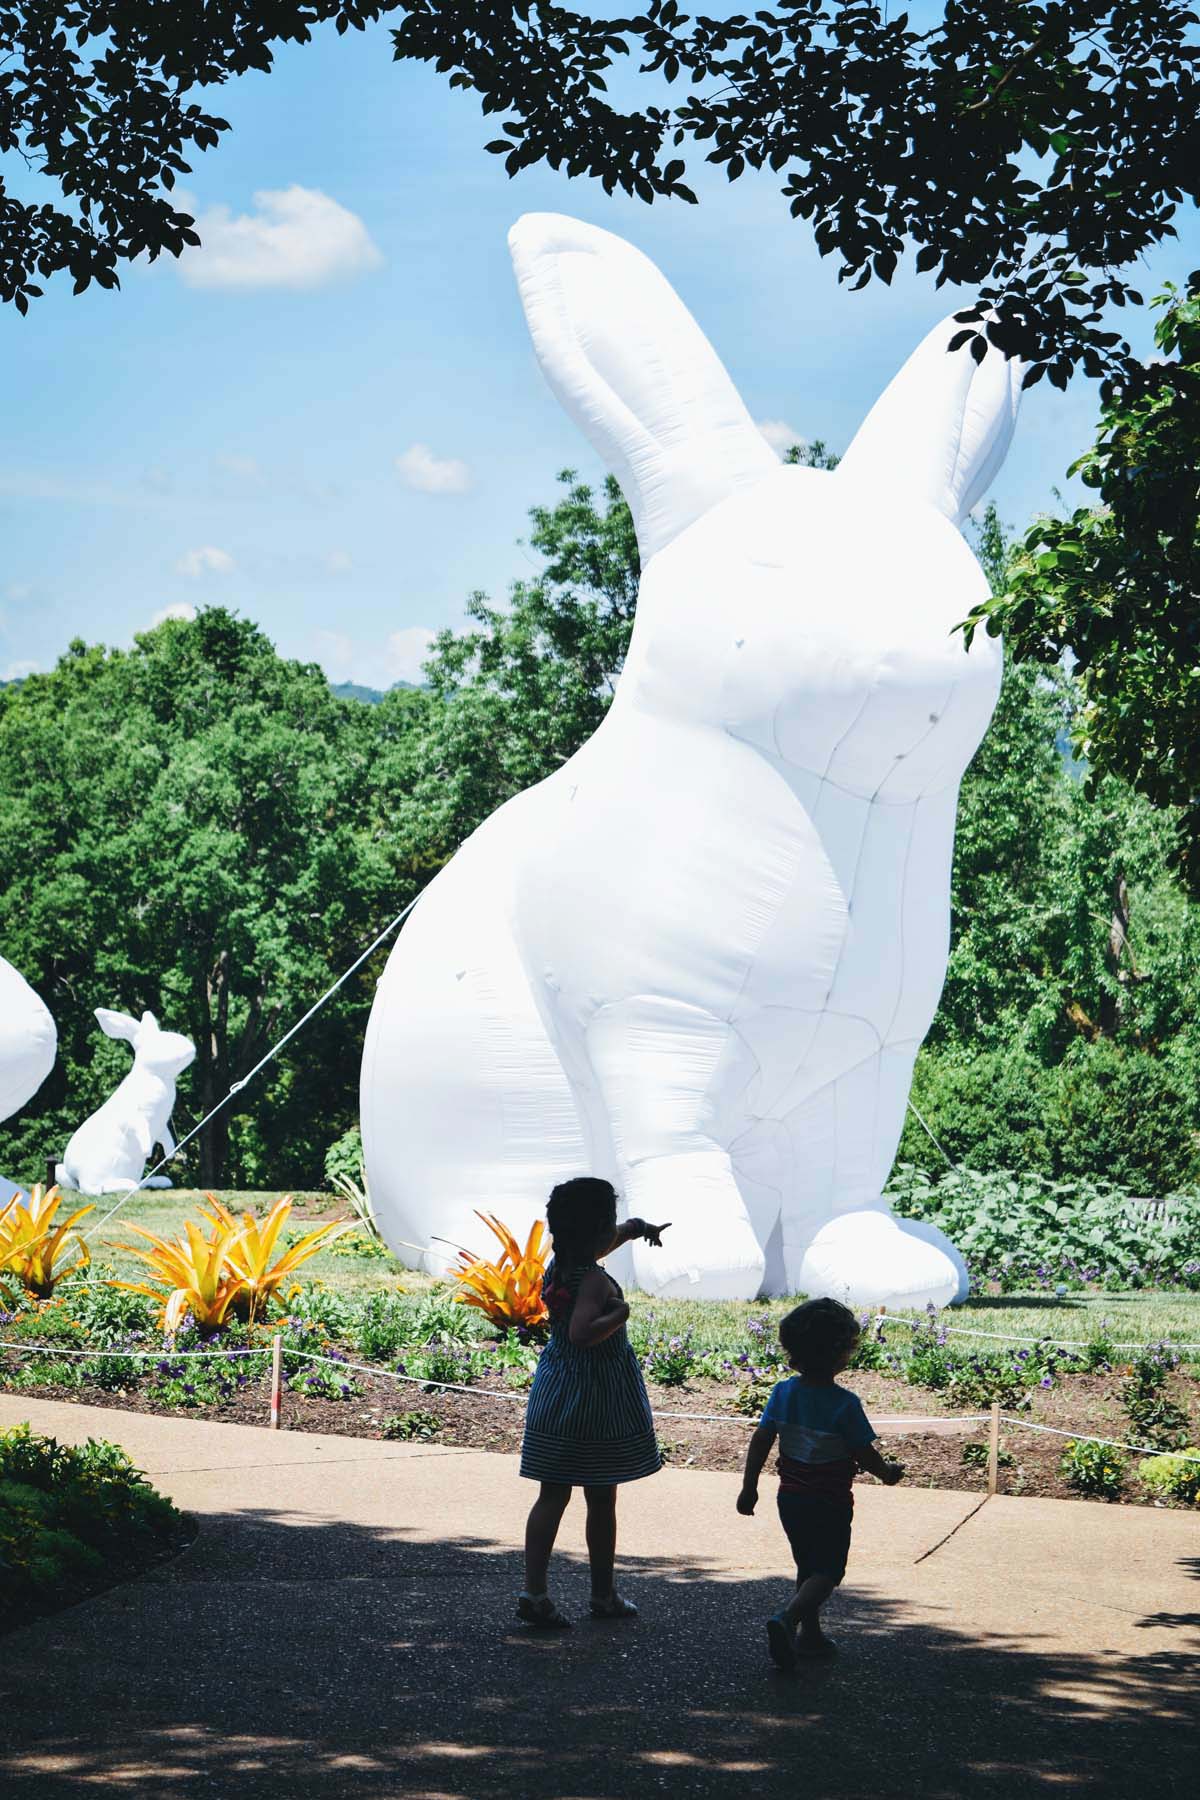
353	690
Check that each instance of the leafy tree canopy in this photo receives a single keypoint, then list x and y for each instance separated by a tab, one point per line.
1024	148
196	826
1115	588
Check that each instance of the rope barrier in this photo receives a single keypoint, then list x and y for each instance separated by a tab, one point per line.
130	1355
245	1080
1012	1337
459	1387
1079	1437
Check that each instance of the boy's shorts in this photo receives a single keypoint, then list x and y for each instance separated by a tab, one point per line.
819	1532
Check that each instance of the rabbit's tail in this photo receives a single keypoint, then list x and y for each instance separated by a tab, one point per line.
60	1174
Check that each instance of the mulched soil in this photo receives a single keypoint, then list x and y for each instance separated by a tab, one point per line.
1088	1404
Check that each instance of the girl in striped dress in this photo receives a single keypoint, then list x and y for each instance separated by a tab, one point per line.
588	1423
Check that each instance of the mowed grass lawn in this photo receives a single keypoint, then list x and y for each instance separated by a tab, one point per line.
1139	1317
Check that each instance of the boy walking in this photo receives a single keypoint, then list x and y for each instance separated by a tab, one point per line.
824	1437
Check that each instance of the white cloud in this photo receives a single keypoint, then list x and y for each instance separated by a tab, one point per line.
242	468
337	562
779	434
429	474
178	609
207	560
399	658
296	238
405	652
19	590
17	671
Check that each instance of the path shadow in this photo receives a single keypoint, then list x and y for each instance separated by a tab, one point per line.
286	1656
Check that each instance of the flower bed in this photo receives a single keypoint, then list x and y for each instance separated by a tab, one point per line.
722	1361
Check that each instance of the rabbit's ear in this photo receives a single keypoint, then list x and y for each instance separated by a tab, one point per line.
633	369
942	427
116	1024
149	1022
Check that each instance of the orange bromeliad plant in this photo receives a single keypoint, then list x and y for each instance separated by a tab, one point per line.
508	1290
228	1274
191	1274
249	1252
30	1242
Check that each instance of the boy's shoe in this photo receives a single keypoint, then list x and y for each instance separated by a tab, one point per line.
814	1645
540	1611
614	1607
781	1643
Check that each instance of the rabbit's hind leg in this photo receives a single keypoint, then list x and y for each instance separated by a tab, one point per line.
656	1064
465	1107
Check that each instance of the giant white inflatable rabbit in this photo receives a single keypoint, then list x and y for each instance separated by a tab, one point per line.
108	1152
28	1044
699	959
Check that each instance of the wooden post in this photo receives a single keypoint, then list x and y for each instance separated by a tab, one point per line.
276	1379
994	1448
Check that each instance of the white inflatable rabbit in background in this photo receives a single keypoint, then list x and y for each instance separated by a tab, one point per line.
700	958
28	1044
108	1152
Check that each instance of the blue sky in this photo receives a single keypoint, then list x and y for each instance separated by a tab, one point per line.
330	417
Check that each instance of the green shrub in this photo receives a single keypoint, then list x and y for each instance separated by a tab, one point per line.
1104	1112
108	1315
1173	1477
344	1157
1022	1230
70	1517
975	1456
987	1111
407	1426
1119	1114
383	1325
317	1304
1096	1469
752	1395
443	1361
440	1315
1154	1416
320	1381
669	1361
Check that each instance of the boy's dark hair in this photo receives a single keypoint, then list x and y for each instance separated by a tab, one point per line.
578	1212
817	1335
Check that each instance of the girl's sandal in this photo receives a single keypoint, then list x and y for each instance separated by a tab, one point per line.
541	1613
613	1608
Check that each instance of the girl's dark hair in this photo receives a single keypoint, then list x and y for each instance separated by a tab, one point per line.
817	1336
578	1212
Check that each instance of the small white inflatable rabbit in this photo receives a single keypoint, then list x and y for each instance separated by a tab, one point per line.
108	1152
28	1043
700	958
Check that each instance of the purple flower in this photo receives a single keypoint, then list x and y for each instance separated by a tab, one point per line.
1047	1381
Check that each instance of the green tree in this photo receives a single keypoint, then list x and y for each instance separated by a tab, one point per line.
970	141
197	826
1116	587
530	681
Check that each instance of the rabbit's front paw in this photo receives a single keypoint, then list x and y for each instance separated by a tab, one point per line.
871	1258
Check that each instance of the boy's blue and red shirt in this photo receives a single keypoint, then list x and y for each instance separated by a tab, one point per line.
819	1429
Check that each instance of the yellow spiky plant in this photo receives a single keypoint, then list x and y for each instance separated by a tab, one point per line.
507	1289
31	1243
250	1251
189	1274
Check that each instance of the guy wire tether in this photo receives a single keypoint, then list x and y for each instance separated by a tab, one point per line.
245	1080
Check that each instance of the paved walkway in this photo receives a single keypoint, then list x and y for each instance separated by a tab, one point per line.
341	1629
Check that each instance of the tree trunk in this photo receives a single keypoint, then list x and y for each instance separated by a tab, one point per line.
215	1077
